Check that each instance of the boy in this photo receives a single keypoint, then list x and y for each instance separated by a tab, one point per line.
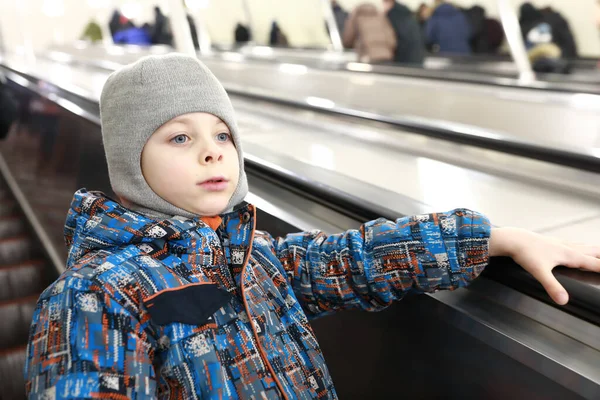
171	293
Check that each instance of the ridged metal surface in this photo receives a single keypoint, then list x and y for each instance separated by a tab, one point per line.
12	362
23	277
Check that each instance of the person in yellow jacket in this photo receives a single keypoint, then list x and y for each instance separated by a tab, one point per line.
92	32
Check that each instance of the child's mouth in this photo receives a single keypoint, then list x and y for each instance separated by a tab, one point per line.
215	184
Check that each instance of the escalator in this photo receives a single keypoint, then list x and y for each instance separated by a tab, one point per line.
23	276
488	341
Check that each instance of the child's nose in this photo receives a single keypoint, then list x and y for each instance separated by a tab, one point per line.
213	157
212	154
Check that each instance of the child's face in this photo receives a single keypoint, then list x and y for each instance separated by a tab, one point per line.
192	163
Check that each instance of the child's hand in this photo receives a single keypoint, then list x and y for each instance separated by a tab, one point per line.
539	255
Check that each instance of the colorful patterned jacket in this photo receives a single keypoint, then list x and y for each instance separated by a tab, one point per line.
183	309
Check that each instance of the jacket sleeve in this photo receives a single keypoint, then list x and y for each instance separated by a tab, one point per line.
83	345
384	260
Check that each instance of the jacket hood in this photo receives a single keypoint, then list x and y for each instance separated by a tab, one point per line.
96	222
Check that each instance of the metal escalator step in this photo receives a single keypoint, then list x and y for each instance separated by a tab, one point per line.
21	280
17	249
12	364
16	316
12	225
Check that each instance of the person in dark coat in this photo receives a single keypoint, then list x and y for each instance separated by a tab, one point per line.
242	34
114	25
544	54
529	19
476	17
410	46
495	34
340	16
561	32
161	33
448	29
487	34
277	37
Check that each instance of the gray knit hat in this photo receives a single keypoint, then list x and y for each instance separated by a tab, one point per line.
136	100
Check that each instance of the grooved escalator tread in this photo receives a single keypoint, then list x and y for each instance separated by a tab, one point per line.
12	365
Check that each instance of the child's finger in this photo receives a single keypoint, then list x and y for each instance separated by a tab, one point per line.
583	261
593	251
552	286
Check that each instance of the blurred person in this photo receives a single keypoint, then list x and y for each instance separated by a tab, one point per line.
410	45
545	55
161	30
242	34
370	33
495	34
448	30
92	32
562	35
531	18
134	35
423	14
277	37
487	34
340	16
170	291
114	23
118	22
476	17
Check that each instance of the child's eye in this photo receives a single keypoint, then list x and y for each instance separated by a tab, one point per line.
223	137
180	139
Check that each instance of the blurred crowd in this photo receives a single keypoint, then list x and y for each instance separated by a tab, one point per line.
159	32
395	33
401	35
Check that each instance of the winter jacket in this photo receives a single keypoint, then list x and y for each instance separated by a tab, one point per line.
132	36
410	46
92	32
449	29
562	35
277	37
242	34
211	308
369	32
